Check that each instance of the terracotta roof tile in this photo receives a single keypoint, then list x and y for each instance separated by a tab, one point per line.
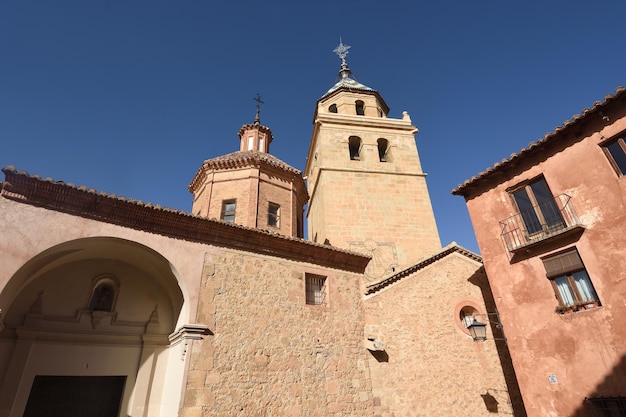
153	218
245	158
451	248
533	146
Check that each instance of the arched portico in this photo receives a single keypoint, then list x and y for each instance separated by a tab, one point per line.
95	314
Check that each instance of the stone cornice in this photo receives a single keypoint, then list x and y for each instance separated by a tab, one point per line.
87	203
349	120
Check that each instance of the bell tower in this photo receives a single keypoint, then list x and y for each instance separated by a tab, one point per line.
251	187
366	185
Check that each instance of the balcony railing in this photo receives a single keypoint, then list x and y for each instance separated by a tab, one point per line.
550	218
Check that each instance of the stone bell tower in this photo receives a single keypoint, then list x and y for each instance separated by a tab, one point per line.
367	189
250	187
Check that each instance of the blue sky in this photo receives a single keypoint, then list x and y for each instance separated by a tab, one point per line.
129	97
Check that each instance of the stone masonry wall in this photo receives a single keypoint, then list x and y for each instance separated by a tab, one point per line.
271	354
431	366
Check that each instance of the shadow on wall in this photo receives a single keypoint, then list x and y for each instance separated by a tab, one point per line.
517	404
609	397
380	355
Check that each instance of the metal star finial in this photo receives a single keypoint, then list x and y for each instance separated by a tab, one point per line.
342	51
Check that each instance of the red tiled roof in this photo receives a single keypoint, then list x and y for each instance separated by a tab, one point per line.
539	144
100	206
453	247
246	158
241	159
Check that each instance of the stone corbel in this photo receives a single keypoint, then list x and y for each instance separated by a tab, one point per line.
186	333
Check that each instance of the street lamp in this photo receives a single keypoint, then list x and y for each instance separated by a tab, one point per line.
478	330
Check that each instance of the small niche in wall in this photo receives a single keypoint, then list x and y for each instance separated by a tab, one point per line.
103	294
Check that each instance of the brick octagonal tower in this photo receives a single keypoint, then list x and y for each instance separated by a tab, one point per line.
251	187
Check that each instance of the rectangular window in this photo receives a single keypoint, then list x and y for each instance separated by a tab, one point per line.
273	215
615	150
606	407
315	289
570	281
537	207
228	210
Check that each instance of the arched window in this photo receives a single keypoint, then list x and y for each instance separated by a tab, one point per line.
466	315
103	294
383	150
354	145
332	108
360	107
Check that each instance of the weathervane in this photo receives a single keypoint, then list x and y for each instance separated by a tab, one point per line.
257	118
342	51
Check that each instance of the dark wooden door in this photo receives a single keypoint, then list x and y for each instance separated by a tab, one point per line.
75	396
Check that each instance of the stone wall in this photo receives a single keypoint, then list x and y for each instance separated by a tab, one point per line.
271	354
430	365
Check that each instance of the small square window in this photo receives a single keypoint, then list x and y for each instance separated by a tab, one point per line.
571	283
273	215
615	151
228	210
315	289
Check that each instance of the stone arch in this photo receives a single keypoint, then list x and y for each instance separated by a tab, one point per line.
359	106
50	330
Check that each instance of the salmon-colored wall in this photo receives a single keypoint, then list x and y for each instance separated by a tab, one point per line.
585	350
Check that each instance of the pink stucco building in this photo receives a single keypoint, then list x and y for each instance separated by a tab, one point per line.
550	223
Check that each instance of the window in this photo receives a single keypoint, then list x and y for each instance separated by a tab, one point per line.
538	207
606	407
466	315
103	294
354	146
570	281
383	149
273	215
228	210
332	108
251	143
315	289
616	152
360	107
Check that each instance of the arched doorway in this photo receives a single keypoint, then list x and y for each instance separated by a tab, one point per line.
93	314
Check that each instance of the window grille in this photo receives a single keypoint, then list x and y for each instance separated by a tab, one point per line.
315	289
606	407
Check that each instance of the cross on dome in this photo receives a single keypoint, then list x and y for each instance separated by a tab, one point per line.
342	50
257	118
